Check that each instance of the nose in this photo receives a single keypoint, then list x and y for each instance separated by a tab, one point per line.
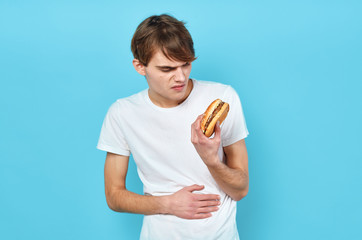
180	76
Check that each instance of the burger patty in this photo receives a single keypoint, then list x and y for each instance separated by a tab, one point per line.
213	115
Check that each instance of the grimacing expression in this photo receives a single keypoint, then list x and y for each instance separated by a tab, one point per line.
168	80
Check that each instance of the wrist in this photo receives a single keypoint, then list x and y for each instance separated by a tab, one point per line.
164	204
213	162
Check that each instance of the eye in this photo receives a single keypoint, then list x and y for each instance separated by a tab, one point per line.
186	64
166	69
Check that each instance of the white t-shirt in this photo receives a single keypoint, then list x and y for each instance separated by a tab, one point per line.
160	141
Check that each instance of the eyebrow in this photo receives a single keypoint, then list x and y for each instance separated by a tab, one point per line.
169	67
166	67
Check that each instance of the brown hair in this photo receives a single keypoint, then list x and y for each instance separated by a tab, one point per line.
165	33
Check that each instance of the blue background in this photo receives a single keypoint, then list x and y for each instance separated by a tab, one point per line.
297	66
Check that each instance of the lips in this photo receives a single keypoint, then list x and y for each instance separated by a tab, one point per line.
178	87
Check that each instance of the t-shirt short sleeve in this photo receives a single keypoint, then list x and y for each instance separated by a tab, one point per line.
234	127
112	138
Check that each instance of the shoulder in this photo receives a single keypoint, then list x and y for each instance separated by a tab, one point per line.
211	85
128	103
215	89
133	100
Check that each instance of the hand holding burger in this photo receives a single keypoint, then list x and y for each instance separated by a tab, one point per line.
204	126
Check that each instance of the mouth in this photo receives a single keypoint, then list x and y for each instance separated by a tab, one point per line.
178	87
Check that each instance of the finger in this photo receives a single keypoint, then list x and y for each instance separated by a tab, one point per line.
201	215
217	130
198	119
199	131
206	197
194	187
196	132
207	209
196	124
213	203
193	133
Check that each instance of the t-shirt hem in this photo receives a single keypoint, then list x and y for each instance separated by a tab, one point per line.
113	150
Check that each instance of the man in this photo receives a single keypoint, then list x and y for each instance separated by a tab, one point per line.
191	182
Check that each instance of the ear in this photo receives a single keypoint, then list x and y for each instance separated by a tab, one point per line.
140	68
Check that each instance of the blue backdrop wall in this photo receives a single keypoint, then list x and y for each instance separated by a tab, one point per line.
295	64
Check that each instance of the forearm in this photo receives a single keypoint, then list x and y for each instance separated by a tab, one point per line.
183	203
234	182
122	200
232	176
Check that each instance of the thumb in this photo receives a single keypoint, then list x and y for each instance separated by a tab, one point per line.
217	129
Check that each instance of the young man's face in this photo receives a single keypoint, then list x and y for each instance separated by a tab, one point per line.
168	80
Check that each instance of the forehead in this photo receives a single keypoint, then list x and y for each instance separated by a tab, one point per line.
159	59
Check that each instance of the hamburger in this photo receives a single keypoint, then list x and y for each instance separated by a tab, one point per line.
217	111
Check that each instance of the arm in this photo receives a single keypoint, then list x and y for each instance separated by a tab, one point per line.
231	176
183	203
